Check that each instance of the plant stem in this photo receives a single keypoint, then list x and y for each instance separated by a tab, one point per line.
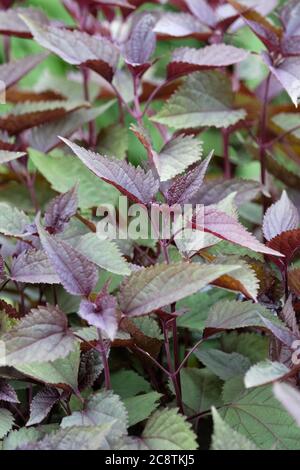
263	122
103	352
227	164
91	125
172	374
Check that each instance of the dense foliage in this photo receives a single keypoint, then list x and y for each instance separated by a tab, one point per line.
117	335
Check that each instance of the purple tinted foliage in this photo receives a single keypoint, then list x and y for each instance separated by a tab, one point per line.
149	213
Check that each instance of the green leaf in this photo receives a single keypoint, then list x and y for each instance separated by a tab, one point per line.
258	416
287	122
64	171
62	371
204	99
74	438
229	315
102	408
264	373
177	155
21	437
6	422
141	406
225	438
104	253
127	383
142	292
12	220
201	389
40	336
222	364
149	327
168	430
252	345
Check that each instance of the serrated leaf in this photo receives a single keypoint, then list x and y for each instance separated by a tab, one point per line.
33	267
167	430
149	327
204	99
77	47
289	397
294	280
6	422
222	364
212	192
264	373
7	392
280	217
73	438
227	228
140	407
141	292
185	187
26	115
20	437
177	155
229	315
60	210
12	24
12	220
141	43
141	187
42	404
76	273
186	59
252	345
42	335
12	72
63	171
104	253
288	243
225	438
258	416
62	372
103	408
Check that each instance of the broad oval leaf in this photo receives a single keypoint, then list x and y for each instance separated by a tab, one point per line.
76	273
7	392
12	221
280	217
102	313
33	267
142	292
6	422
42	335
168	430
141	187
77	47
141	43
42	404
226	438
186	59
204	99
264	373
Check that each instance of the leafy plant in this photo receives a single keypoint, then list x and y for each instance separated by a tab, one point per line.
149	225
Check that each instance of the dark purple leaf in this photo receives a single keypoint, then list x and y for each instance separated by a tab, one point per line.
77	47
284	335
202	10
42	335
12	72
33	267
280	217
60	210
76	273
141	44
185	187
42	404
227	228
7	393
288	74
288	243
139	186
186	59
90	368
101	313
12	24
